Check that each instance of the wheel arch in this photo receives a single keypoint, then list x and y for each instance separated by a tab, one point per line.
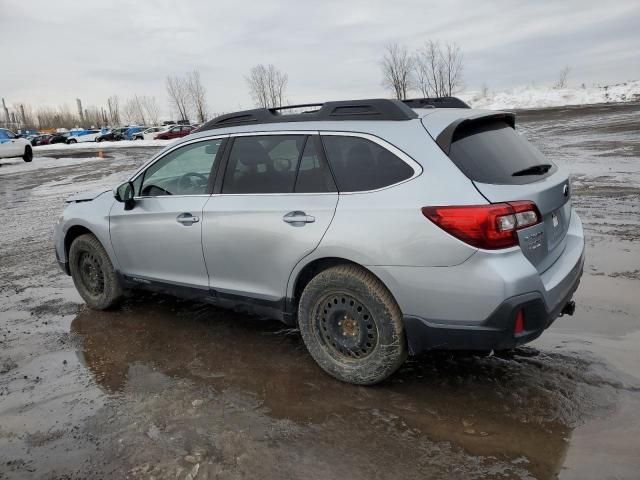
73	233
309	271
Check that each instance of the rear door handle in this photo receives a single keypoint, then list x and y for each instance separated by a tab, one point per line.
298	218
187	219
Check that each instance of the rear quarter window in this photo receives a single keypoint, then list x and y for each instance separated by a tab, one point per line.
492	151
359	164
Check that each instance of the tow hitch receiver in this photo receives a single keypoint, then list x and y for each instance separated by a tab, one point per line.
569	308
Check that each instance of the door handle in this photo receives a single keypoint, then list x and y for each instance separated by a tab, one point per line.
187	219
298	218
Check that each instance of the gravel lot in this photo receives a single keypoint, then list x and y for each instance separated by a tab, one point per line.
169	389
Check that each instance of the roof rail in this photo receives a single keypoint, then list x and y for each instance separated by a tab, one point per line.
371	109
436	102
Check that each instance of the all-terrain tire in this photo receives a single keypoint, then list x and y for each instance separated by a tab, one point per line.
93	273
28	154
352	326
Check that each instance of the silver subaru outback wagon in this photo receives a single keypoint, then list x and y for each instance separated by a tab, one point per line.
380	228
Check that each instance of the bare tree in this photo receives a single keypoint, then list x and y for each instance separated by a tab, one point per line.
141	111
438	70
150	108
198	95
452	66
62	117
267	86
562	78
113	104
484	90
397	70
178	91
92	117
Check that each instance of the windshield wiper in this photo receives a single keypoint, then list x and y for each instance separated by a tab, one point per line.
540	169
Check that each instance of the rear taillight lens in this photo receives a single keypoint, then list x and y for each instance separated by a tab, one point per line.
490	227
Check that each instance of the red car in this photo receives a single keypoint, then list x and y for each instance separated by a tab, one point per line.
175	132
44	140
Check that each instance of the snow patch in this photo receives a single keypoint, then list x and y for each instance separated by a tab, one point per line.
103	145
541	97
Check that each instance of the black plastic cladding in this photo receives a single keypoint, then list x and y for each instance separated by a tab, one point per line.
371	109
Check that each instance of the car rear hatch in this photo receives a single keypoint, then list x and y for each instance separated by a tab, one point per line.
505	167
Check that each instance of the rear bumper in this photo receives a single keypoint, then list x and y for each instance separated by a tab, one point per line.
497	331
473	305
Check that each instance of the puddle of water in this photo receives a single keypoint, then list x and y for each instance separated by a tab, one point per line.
502	408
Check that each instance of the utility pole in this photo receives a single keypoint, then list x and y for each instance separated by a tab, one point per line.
80	112
6	111
24	119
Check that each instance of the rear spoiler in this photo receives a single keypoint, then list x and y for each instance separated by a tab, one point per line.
447	136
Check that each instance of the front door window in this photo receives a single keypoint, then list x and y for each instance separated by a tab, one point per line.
185	171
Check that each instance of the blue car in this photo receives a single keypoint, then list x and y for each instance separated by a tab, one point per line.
131	131
77	136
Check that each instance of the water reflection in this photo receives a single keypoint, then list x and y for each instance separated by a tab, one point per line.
518	409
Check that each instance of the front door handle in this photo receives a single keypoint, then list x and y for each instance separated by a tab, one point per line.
187	219
298	218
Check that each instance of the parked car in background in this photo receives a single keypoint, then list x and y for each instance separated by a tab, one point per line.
113	135
33	139
59	138
43	140
13	146
149	133
79	136
28	132
174	132
131	131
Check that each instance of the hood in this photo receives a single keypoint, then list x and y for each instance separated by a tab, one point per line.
85	196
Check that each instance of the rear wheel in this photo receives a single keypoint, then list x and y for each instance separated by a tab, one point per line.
93	274
28	154
352	326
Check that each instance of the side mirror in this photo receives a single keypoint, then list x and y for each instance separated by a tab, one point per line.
125	193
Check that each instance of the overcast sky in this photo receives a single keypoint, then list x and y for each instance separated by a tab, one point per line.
55	51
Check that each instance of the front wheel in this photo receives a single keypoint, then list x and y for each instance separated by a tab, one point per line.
352	326
71	142
28	154
93	273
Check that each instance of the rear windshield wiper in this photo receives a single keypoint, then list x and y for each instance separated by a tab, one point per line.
540	169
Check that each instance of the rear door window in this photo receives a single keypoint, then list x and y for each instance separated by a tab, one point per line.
493	152
359	164
263	164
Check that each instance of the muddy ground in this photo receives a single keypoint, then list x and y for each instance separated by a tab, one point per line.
169	389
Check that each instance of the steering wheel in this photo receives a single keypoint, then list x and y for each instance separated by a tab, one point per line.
282	164
185	181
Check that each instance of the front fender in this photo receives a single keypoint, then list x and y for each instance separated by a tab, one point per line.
90	215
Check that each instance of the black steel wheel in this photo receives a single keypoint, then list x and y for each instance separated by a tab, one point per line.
351	325
93	274
347	328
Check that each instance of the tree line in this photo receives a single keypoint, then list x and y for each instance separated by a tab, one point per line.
433	70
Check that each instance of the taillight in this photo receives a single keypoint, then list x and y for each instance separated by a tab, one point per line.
490	227
518	326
